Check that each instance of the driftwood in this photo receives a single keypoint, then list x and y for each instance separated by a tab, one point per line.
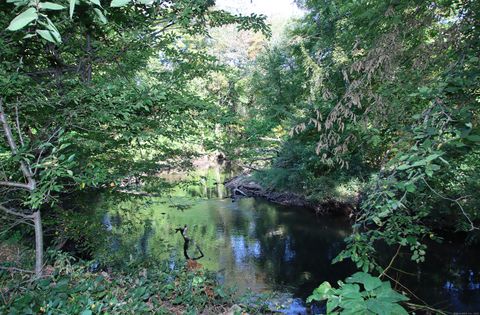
186	244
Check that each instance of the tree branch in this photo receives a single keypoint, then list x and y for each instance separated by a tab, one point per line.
16	269
18	214
472	226
17	120
15	185
31	185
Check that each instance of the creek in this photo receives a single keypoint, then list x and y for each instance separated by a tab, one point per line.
257	246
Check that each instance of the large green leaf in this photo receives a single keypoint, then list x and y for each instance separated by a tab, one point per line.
368	281
353	306
386	293
23	19
351	291
379	307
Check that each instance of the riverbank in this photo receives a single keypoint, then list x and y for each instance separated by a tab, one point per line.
245	185
145	288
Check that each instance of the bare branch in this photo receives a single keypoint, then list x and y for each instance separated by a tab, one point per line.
16	269
15	185
391	262
15	213
31	185
472	226
19	130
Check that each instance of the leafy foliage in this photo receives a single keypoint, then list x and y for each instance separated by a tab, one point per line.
142	289
381	101
376	297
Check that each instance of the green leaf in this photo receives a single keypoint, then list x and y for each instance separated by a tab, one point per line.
50	6
321	293
390	295
72	7
403	167
410	187
368	281
49	35
23	19
86	312
332	304
379	307
351	291
356	306
397	310
429	172
119	3
96	2
419	163
100	15
432	157
474	138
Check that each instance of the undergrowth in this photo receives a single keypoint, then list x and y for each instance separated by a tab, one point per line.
69	287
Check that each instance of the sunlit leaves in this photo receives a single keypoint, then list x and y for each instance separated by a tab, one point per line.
49	35
72	4
119	3
100	15
50	6
23	19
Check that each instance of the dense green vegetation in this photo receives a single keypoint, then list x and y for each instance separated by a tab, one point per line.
374	104
380	97
142	288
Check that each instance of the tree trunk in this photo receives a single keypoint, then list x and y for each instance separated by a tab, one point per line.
37	221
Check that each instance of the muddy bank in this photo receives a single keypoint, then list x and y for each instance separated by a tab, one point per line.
245	186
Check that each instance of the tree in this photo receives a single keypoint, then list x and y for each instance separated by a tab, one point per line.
86	105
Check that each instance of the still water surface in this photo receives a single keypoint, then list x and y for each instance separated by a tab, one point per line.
258	246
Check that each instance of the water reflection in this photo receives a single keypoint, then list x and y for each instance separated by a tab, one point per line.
259	246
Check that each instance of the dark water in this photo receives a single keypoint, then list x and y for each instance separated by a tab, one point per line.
258	246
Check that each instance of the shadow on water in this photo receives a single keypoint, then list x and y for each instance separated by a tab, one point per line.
258	246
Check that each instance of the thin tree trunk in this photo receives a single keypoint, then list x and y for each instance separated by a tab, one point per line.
29	186
37	221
